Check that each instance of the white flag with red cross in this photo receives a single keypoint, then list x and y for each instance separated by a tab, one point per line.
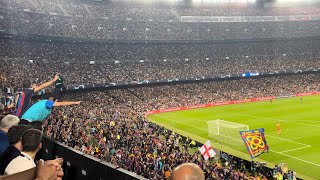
207	151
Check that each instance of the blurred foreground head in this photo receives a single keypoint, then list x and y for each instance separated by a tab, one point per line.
9	121
187	171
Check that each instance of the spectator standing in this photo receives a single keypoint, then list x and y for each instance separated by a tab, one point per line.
42	109
24	98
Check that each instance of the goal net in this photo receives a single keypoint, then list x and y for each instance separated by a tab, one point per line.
226	131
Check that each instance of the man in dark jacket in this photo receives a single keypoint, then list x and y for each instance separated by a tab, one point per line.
15	148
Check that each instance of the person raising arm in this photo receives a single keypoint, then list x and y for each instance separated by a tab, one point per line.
23	99
39	111
46	84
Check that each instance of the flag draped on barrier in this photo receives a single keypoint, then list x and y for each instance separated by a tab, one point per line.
255	142
207	151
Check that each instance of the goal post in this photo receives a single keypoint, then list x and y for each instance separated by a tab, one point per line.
226	131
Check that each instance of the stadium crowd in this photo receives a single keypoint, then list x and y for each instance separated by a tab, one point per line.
139	62
59	26
90	21
19	145
157	10
232	11
111	125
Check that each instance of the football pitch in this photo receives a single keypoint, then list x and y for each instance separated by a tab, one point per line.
298	145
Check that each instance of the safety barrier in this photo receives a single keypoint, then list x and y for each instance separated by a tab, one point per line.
80	166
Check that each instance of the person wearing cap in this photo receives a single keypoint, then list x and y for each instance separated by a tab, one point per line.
6	123
39	111
23	100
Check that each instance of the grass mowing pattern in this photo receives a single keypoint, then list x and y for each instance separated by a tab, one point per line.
298	145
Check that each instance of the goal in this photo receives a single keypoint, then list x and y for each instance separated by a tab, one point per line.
226	131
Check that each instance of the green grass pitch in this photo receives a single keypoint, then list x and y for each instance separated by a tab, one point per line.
298	145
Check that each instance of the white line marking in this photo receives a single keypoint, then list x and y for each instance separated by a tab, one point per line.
304	120
281	153
207	130
295	149
288	140
296	158
304	145
180	122
277	119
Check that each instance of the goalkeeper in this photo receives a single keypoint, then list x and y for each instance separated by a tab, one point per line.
278	128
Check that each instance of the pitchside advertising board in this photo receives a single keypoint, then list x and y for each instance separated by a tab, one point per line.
250	74
226	103
210	105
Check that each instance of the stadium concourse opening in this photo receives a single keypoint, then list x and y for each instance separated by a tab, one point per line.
129	89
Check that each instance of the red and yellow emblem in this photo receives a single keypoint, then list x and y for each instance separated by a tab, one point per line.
255	142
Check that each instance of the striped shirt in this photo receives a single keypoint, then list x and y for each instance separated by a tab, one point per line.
24	101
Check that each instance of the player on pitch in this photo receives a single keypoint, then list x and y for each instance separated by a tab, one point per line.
278	128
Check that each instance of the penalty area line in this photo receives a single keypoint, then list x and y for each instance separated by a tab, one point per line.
283	139
299	159
283	120
180	122
281	153
295	149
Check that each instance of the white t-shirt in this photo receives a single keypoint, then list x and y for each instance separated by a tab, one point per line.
19	164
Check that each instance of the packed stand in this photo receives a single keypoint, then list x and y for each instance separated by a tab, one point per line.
233	11
21	131
114	63
157	10
20	22
137	22
110	125
19	145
